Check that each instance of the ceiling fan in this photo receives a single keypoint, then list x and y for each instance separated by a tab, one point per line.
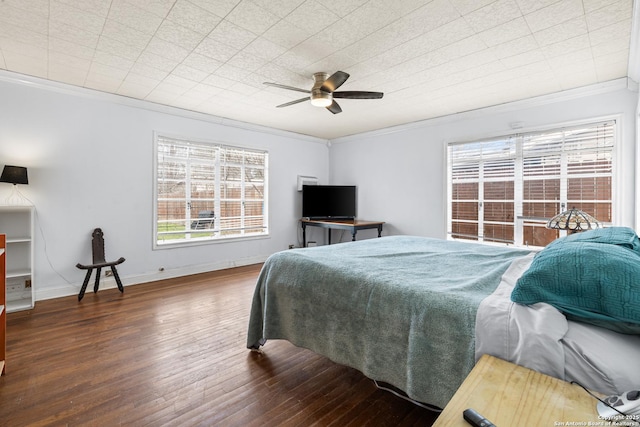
323	92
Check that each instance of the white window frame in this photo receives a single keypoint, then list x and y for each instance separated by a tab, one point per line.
217	235
518	223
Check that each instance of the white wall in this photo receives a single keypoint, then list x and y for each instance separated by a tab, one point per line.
637	156
90	164
400	172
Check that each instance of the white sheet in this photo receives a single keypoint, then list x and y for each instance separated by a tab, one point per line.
539	337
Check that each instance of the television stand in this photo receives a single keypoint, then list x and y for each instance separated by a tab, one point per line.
352	225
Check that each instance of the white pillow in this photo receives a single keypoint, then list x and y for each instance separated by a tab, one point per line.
600	359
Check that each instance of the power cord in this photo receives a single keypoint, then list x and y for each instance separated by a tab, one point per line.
44	242
408	399
604	403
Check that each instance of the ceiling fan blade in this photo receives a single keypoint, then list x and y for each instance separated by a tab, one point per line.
334	108
287	87
357	94
297	101
334	81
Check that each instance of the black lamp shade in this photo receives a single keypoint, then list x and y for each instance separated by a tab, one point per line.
14	175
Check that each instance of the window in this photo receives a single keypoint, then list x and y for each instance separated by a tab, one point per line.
505	189
206	191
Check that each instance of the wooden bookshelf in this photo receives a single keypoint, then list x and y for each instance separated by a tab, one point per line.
3	303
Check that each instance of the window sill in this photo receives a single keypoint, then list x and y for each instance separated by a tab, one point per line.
203	242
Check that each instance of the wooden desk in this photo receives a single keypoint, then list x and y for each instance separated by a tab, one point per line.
510	395
352	225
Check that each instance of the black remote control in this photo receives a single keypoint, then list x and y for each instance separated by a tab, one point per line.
475	419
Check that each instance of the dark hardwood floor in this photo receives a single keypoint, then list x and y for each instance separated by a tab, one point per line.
173	353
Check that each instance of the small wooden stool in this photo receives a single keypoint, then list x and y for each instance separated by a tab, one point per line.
97	245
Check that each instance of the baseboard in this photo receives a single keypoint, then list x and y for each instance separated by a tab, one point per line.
137	279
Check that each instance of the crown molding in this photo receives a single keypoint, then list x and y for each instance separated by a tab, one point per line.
634	46
67	89
629	83
566	95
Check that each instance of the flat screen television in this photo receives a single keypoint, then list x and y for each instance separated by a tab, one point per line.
329	201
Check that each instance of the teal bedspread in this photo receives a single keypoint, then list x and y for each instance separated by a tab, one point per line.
400	309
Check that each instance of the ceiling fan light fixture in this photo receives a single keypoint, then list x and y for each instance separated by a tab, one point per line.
321	99
323	92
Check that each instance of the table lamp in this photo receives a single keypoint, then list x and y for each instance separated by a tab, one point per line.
574	220
15	175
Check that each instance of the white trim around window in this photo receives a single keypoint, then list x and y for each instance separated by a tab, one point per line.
206	192
502	189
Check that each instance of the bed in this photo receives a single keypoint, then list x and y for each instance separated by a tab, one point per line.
417	313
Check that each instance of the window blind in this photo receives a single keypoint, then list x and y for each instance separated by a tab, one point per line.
220	189
482	178
504	189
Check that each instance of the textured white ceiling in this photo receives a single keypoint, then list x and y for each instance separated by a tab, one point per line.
430	58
